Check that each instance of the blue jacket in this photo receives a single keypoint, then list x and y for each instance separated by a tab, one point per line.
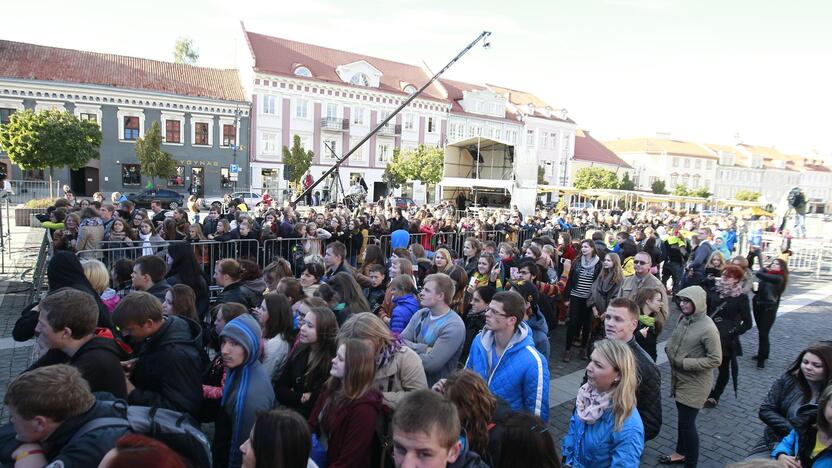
520	376
403	309
599	445
789	446
540	332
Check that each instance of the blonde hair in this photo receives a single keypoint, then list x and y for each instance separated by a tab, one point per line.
623	394
722	260
96	274
450	260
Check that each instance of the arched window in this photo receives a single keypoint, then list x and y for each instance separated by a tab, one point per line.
410	89
360	79
303	71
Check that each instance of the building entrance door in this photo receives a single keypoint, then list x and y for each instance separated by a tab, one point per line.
198	181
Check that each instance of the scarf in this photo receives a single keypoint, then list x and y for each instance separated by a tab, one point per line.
91	222
388	352
647	320
146	248
589	263
726	290
591	403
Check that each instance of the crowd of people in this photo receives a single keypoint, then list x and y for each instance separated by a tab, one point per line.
338	349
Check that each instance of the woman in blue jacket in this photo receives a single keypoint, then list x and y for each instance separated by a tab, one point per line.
605	430
809	445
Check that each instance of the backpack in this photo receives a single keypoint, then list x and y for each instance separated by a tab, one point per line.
796	198
381	450
174	429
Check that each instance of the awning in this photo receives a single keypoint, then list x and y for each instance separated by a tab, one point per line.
471	183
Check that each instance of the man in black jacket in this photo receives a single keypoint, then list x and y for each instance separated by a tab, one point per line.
168	369
48	406
66	326
228	273
620	321
149	276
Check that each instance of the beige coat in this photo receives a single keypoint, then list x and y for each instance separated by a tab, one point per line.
632	284
89	238
693	350
404	373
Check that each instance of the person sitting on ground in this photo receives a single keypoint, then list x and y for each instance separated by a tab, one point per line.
503	354
167	372
310	278
375	291
605	429
405	303
347	297
436	332
426	432
149	276
398	368
47	407
335	261
66	327
121	275
281	438
621	320
246	392
228	274
276	319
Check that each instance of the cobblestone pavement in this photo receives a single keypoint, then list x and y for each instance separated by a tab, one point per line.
727	433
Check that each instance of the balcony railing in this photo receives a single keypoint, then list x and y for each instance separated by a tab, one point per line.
334	123
390	129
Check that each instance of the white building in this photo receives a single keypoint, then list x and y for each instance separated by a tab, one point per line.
674	161
332	99
779	174
735	171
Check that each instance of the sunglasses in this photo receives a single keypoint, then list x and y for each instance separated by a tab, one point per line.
640	262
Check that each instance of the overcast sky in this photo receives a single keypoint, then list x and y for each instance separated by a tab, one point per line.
704	70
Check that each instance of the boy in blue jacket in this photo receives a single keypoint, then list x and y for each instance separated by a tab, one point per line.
505	356
405	303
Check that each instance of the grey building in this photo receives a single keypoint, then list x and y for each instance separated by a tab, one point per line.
202	113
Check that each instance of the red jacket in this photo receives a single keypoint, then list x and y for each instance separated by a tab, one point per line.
350	427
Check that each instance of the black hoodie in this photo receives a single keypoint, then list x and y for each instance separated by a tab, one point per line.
99	361
168	372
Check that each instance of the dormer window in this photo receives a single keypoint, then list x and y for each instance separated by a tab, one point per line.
303	71
756	161
360	79
780	164
530	109
410	89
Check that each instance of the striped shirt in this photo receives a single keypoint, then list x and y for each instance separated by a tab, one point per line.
584	284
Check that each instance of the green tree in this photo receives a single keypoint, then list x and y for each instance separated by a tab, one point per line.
49	139
153	161
626	183
424	163
747	195
681	190
700	192
659	187
595	178
185	52
541	176
297	160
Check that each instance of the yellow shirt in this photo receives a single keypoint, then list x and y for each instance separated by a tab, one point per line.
819	446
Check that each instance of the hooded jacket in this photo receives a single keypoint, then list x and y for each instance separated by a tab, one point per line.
693	350
88	450
168	372
600	445
247	391
99	361
239	293
520	376
403	309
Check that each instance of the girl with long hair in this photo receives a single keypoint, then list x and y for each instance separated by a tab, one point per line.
372	256
277	319
442	262
486	274
810	444
459	301
471	250
605	288
348	296
771	283
801	384
308	365
474	317
184	268
651	319
180	300
477	409
345	414
605	429
281	438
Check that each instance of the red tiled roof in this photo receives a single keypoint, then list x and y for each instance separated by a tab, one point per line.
455	91
278	56
592	150
34	62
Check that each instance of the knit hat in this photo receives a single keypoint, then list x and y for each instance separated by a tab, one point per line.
245	331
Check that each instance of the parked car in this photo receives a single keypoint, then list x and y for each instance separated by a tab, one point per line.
169	198
252	199
404	202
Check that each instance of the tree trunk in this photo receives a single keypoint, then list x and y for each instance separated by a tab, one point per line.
51	195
